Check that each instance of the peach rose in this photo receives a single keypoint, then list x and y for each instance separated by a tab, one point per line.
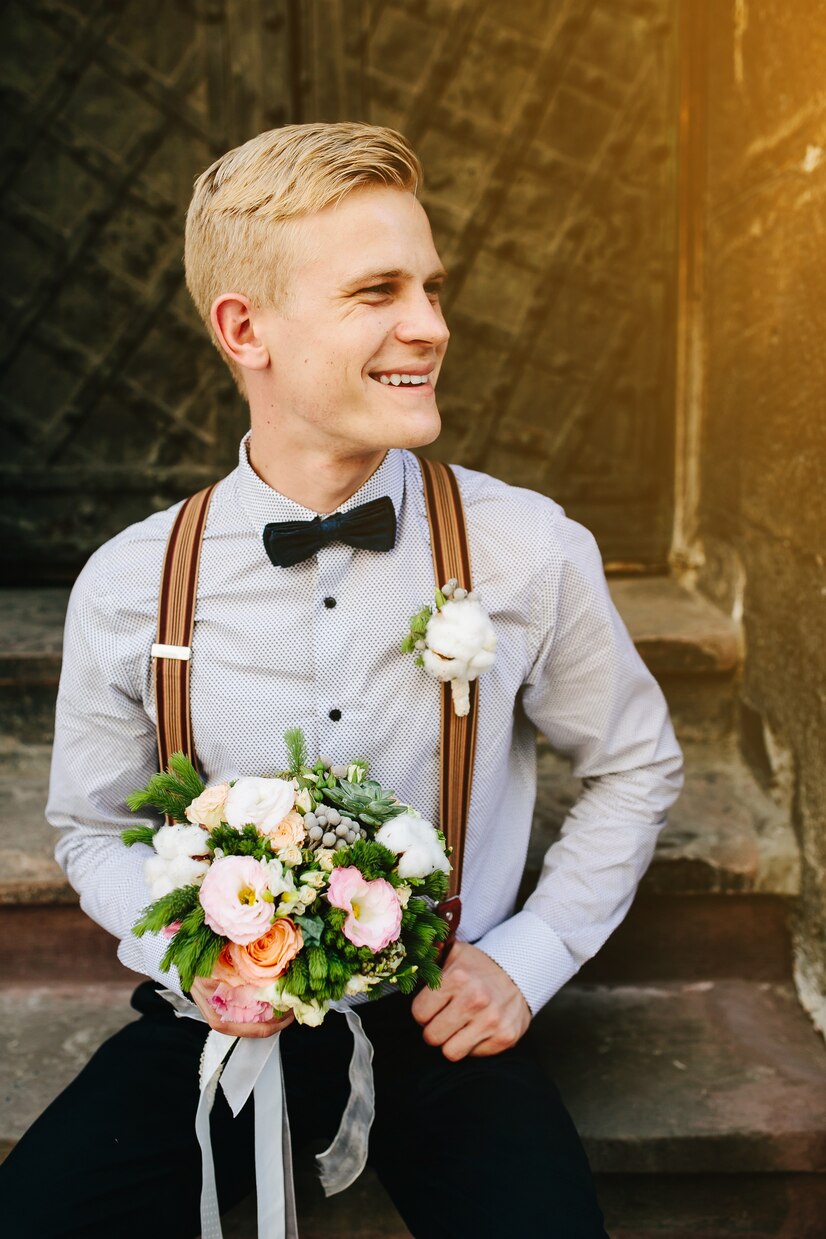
224	969
262	961
288	831
208	808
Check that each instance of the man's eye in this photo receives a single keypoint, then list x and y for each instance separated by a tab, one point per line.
380	289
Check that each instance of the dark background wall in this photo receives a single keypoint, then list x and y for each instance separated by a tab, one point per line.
762	511
548	134
631	197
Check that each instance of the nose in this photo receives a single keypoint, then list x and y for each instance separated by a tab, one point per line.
422	320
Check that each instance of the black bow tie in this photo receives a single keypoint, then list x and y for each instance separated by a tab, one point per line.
369	527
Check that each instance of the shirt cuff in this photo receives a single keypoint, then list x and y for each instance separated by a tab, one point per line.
532	954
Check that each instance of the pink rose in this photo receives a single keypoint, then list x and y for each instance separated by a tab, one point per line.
236	901
170	930
375	912
240	1004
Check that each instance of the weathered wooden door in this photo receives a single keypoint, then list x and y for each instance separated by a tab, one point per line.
547	130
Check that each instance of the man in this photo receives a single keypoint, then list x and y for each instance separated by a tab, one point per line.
310	257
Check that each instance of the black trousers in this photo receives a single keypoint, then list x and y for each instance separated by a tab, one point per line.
479	1148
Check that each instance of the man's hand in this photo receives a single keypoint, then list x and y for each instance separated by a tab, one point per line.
478	1009
202	990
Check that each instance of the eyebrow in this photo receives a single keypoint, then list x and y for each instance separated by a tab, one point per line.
381	277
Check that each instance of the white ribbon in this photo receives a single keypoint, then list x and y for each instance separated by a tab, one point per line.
343	1162
254	1067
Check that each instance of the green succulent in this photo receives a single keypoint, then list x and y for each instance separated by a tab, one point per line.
366	801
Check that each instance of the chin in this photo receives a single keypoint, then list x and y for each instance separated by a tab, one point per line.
419	433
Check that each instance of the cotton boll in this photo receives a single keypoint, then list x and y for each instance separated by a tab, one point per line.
461	641
422	860
171	842
163	876
417	844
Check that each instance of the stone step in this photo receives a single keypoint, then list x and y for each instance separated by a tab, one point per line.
31	644
692	648
718	897
726	838
724	835
702	1106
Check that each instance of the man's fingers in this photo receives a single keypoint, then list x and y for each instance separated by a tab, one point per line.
464	1042
429	1002
202	990
268	1029
445	1024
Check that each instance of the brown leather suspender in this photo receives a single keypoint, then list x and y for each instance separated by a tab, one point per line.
457	752
176	620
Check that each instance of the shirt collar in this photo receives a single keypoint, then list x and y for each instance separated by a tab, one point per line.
262	504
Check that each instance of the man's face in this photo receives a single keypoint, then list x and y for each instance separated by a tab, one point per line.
356	350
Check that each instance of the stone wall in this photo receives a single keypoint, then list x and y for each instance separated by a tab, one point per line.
762	511
547	129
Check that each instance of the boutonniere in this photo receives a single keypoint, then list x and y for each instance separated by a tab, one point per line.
453	641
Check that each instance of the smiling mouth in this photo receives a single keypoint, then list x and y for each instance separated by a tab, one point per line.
401	378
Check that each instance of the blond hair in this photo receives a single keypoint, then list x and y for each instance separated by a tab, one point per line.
237	225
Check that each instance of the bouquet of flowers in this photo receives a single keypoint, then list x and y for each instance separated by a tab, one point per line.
291	890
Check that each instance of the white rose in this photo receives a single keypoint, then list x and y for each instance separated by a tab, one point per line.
304	801
290	855
261	803
163	876
417	844
170	842
208	808
314	878
311	1012
461	641
403	894
324	859
359	984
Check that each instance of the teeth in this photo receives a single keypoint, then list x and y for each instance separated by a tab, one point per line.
409	380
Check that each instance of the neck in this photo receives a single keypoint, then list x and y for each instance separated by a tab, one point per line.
321	479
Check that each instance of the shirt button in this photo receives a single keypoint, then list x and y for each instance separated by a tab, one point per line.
335	715
329	603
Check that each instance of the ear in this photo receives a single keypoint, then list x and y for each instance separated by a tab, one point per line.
231	317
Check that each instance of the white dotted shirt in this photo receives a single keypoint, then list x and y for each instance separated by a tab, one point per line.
317	646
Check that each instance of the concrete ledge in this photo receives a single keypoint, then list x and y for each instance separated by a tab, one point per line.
723	835
714	1078
675	631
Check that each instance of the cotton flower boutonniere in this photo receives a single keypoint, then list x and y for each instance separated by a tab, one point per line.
454	641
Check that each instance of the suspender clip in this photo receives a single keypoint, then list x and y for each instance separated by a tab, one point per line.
181	652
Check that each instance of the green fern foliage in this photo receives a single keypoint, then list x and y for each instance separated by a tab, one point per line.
172	791
138	834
